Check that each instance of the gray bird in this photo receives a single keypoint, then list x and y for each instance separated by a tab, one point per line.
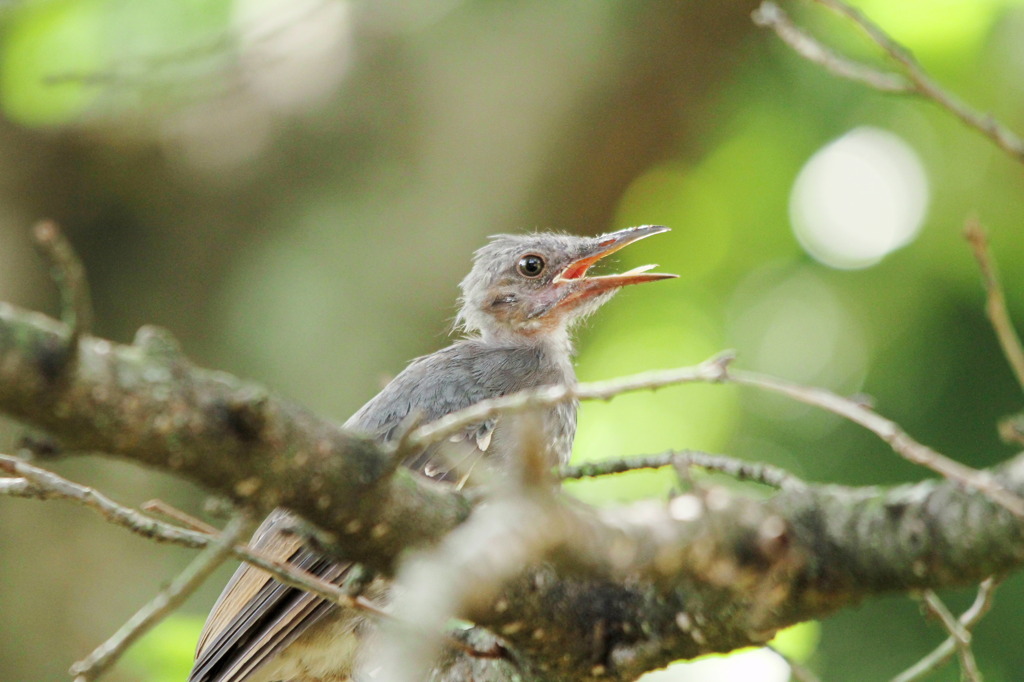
518	305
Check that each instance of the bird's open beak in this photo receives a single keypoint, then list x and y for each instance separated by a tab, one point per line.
587	287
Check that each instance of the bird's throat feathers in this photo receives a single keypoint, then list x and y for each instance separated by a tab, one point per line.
548	327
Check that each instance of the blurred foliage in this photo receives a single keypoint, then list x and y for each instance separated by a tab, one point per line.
798	642
58	55
164	654
295	189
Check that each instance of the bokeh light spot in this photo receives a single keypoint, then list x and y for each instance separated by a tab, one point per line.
791	323
859	198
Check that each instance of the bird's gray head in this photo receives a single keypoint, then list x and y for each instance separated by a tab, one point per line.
536	285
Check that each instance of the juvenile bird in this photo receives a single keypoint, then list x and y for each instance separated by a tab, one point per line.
518	305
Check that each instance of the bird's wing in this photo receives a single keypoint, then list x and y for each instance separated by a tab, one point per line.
432	387
256	616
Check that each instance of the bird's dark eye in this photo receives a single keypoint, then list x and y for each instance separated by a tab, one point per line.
531	265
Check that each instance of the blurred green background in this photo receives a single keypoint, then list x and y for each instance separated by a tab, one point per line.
295	187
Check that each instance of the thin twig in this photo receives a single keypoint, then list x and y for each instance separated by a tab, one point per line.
737	468
717	370
710	370
69	274
960	635
19	487
984	123
295	577
995	305
42	484
941	655
770	15
889	431
160	508
938	609
917	81
927	87
168	599
38	483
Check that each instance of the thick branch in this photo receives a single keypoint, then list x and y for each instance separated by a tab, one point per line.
147	403
632	589
699	578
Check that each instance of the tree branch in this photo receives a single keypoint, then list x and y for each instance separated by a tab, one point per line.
739	469
614	592
916	81
40	484
711	370
958	633
145	402
770	15
700	574
69	274
890	432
